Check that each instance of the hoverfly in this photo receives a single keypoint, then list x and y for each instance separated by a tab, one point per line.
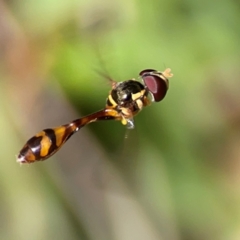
124	101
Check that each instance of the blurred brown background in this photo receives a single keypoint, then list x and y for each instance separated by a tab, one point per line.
176	176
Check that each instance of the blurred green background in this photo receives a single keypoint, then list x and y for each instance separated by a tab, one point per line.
176	176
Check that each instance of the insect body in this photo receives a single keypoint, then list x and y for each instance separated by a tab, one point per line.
125	100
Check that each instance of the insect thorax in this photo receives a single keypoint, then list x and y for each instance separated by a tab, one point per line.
128	95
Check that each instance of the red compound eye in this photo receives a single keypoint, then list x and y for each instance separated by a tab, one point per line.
156	82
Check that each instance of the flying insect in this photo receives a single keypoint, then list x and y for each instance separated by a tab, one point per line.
125	100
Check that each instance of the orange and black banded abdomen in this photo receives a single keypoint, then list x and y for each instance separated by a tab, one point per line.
49	141
45	143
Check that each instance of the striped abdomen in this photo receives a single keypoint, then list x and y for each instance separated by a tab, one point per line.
45	143
49	141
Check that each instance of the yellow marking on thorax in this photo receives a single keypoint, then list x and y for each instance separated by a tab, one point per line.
139	103
111	100
138	95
